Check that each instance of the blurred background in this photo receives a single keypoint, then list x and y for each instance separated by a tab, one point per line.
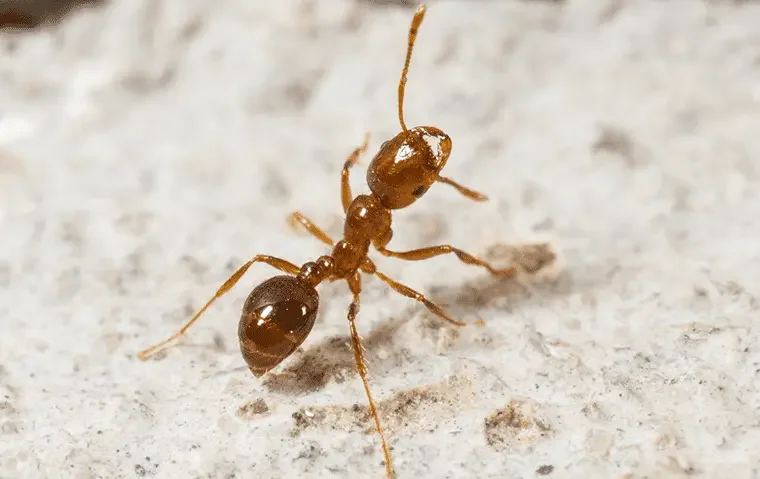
148	148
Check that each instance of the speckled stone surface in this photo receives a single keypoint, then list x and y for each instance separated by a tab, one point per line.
148	148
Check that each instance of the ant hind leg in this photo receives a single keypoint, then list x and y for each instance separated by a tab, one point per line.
354	283
369	267
277	263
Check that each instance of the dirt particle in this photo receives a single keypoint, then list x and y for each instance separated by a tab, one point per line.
306	418
72	235
613	140
145	410
594	411
219	344
543	225
310	453
298	93
731	288
191	29
391	3
275	186
545	470
292	94
140	470
253	409
353	21
402	412
7	409
447	337
515	427
144	82
700	292
682	465
447	51
529	258
533	258
611	11
9	427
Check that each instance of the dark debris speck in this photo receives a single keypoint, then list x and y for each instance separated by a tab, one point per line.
545	470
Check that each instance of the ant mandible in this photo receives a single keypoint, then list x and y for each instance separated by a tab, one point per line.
279	314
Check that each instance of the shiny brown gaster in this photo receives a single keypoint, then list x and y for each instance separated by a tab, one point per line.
279	313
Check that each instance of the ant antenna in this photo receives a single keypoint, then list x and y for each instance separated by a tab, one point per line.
416	21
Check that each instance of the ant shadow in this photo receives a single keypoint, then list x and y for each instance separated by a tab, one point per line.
332	360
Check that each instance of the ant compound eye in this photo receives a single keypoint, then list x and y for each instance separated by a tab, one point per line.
418	191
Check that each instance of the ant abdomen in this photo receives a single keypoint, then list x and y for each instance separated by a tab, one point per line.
277	317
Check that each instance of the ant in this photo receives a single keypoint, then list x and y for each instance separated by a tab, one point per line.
279	314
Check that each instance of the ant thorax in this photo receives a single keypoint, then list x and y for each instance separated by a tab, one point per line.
366	219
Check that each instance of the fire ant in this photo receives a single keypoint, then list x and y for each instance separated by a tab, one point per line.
278	314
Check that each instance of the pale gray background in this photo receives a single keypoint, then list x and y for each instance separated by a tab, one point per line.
149	147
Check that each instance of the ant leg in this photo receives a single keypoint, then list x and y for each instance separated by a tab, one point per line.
354	283
471	194
345	186
432	251
296	218
369	268
277	263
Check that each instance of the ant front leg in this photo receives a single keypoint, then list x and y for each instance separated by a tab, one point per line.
345	186
355	284
471	194
433	251
296	218
277	263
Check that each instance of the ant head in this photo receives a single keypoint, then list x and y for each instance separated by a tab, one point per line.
277	317
407	165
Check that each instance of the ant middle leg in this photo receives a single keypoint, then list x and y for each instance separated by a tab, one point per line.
275	262
345	186
354	283
467	192
370	268
433	251
296	218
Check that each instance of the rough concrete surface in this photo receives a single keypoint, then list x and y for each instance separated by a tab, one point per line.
149	147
